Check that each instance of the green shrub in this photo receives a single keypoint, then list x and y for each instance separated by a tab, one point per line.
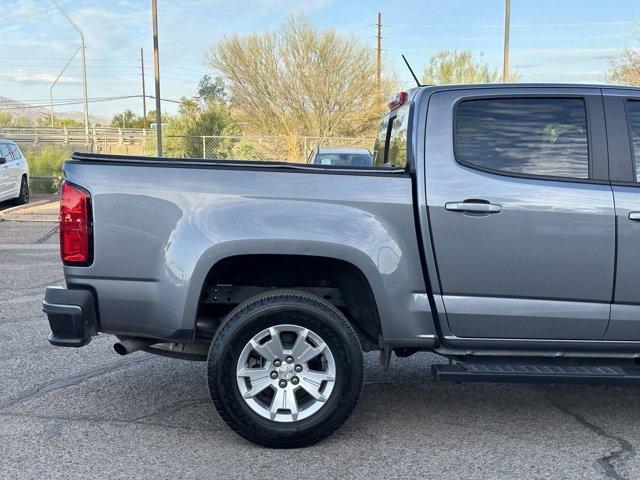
46	161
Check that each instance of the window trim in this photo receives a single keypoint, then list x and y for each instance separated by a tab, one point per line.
627	120
530	176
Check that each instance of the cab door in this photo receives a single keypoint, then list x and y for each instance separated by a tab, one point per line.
521	212
623	129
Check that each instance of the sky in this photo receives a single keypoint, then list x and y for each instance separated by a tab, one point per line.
551	40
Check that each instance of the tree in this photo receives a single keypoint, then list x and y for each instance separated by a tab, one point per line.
9	120
625	68
300	80
127	119
454	67
59	122
212	89
184	131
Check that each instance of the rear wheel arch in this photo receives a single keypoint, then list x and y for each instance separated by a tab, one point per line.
276	271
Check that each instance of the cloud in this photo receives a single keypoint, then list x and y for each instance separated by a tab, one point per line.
37	78
566	54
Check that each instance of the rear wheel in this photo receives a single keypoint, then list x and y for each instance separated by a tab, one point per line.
285	369
23	196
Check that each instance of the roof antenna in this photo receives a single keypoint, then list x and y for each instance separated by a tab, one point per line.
411	70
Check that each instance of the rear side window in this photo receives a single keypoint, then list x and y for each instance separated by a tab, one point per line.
390	149
529	136
397	154
633	117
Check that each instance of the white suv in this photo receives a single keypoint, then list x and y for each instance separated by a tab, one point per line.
14	174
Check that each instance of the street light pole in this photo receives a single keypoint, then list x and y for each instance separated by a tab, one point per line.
505	52
56	81
156	75
84	72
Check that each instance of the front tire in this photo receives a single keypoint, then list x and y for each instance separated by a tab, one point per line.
23	196
285	369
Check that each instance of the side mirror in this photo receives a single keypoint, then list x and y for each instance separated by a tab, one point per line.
3	160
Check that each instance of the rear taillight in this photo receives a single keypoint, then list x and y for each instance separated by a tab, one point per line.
75	225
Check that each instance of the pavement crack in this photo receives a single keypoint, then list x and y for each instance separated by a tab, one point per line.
60	383
608	462
47	235
167	410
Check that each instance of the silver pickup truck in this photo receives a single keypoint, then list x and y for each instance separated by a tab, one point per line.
499	227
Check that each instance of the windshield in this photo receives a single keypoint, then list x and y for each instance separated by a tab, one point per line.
345	159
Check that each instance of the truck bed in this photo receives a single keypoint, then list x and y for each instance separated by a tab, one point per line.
161	225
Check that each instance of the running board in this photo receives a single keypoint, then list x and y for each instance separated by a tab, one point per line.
539	372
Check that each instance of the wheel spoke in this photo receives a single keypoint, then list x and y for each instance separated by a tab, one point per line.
268	350
275	344
300	344
302	351
254	374
318	377
312	387
284	399
257	386
311	352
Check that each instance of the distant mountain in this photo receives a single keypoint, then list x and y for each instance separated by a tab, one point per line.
22	110
34	113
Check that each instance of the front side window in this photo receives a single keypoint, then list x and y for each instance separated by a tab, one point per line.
633	117
530	136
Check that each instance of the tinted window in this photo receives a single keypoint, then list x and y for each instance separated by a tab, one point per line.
345	159
633	112
534	136
397	155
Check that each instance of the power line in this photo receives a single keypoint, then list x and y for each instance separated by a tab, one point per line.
77	101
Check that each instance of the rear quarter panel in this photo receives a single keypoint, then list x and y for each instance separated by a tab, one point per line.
159	230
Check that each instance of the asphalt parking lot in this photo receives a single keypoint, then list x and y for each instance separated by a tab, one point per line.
67	413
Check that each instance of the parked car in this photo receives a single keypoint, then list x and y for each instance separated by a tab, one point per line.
14	174
498	227
343	156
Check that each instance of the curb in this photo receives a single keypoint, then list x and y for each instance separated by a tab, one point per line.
13	213
29	218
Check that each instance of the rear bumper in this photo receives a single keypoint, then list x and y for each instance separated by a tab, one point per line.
72	316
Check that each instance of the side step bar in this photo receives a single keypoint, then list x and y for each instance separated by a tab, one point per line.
539	372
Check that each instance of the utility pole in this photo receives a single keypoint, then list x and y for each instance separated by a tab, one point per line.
84	72
505	52
379	53
156	76
144	93
56	81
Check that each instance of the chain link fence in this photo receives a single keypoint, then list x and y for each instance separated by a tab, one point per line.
46	148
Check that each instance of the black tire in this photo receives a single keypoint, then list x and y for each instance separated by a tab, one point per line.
23	197
270	309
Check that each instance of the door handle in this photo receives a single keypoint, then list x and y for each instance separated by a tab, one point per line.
475	207
635	216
